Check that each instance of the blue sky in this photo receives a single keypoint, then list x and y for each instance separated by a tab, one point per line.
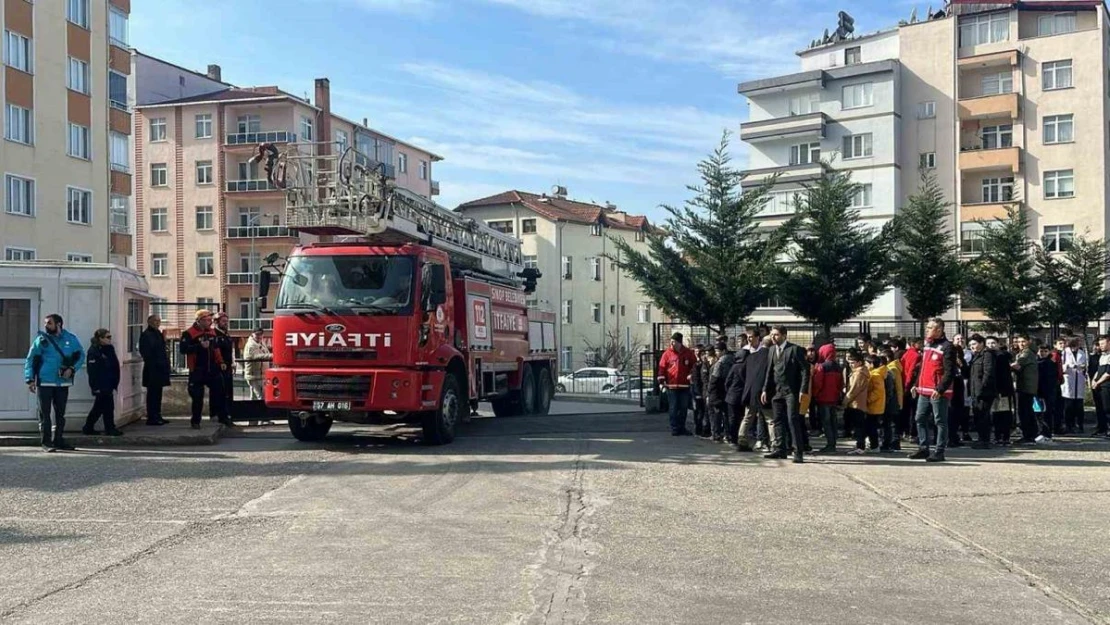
614	99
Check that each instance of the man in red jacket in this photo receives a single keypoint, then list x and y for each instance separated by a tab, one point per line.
932	387
909	357
828	382
675	368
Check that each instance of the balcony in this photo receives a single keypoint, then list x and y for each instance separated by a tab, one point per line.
989	106
248	325
260	232
120	243
985	211
998	158
1006	58
254	138
811	126
435	187
789	173
250	186
242	277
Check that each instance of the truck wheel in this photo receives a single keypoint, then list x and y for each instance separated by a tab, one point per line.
439	425
545	390
505	406
310	430
527	395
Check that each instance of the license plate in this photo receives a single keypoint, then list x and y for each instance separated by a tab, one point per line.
331	405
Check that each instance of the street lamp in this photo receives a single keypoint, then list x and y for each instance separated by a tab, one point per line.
253	220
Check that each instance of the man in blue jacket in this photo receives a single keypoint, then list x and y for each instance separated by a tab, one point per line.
54	358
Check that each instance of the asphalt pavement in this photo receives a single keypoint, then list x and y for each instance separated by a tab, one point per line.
570	518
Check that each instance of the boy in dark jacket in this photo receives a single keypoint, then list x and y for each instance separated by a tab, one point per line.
698	381
734	398
103	368
1048	391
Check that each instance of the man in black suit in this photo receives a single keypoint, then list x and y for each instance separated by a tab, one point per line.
755	372
787	379
983	388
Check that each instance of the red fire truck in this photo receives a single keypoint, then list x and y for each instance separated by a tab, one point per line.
409	313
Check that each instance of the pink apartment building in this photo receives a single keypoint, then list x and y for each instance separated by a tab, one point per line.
206	216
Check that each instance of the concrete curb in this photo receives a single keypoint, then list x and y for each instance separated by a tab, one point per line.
597	399
209	434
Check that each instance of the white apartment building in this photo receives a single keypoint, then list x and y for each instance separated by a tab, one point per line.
568	242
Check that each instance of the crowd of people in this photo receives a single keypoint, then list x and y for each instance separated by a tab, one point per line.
933	393
56	355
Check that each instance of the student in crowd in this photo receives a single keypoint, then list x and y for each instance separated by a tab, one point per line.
1074	388
828	386
982	387
856	398
1048	392
699	380
1003	409
1025	374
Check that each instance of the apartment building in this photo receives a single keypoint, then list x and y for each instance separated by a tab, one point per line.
67	124
568	242
206	214
1004	102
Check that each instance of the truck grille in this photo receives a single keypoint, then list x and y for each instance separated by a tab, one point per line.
334	354
333	387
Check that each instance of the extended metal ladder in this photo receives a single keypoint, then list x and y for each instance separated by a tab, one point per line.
350	195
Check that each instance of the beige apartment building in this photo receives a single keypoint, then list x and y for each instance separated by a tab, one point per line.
65	157
568	242
1005	102
206	214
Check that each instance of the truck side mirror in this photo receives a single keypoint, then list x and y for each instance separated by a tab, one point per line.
264	279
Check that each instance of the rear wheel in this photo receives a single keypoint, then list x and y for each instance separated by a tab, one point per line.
527	395
545	390
506	406
310	429
439	425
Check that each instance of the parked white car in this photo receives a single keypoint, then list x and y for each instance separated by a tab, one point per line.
590	380
631	387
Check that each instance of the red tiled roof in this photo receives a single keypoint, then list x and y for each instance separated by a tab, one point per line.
560	209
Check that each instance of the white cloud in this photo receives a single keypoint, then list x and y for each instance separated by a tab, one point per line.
490	86
415	7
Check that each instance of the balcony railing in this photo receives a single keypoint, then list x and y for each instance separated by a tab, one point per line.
122	106
789	173
259	232
247	186
810	126
1008	158
984	107
251	324
252	138
242	277
123	168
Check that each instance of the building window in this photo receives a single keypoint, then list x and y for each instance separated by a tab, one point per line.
971	237
857	96
567	273
595	312
1056	24
1058	238
160	265
998	189
159	220
402	163
805	104
117	90
120	150
18	253
18	52
641	236
568	308
19	125
78	142
857	146
78	206
928	160
423	170
342	140
136	323
20	196
927	110
159	176
997	84
985	28
566	359
204	126
117	27
1059	184
306	128
119	214
595	230
622	310
204	218
643	313
158	129
504	226
1059	129
250	216
77	78
79	258
206	264
853	56
77	11
595	269
528	226
250	263
204	172
862	198
1056	75
249	123
531	262
995	137
805	153
248	171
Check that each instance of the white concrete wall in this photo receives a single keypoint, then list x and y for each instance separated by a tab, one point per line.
873	48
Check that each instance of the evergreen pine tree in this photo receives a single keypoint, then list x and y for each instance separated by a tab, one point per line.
1003	280
1073	284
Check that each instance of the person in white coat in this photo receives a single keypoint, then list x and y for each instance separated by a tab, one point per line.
255	357
1074	387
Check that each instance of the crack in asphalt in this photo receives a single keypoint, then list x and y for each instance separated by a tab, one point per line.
1009	493
1092	615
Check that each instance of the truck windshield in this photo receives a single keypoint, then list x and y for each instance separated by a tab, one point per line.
379	284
